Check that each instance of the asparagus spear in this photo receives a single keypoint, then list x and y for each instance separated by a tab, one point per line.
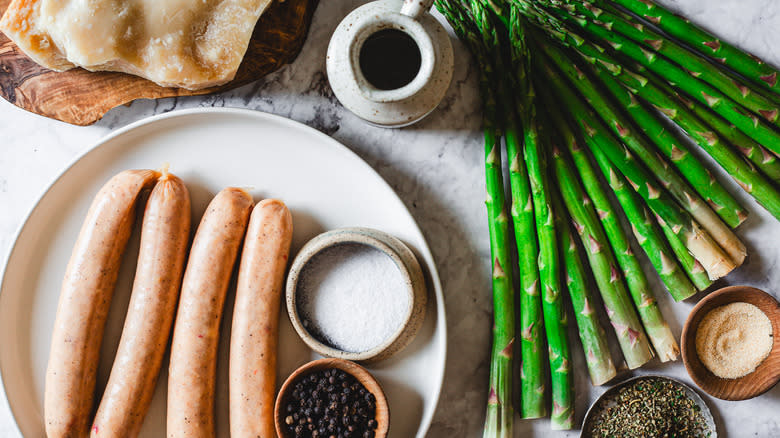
532	380
752	181
652	241
714	48
650	88
549	268
656	327
631	336
592	335
749	123
552	308
670	144
761	158
640	145
655	44
765	161
647	234
698	242
500	415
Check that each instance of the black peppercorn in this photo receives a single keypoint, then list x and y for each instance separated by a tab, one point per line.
330	403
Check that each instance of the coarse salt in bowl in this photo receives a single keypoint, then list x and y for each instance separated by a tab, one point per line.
357	294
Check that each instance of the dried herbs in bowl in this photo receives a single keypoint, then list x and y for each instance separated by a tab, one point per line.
649	406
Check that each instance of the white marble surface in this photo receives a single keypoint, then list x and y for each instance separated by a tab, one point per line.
436	167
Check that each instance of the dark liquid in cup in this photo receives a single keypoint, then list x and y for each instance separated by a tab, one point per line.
390	59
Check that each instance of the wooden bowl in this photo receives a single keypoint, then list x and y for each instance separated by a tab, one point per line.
358	372
766	375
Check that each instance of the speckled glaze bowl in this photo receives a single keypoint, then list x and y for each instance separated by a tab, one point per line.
414	286
410	103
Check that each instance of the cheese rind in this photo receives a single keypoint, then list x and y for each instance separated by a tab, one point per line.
191	44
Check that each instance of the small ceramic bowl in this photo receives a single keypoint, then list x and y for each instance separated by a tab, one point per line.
754	384
414	286
358	372
606	400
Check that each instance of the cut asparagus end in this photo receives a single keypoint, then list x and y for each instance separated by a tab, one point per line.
720	233
717	263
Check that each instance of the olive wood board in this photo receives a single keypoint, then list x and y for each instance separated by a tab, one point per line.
81	97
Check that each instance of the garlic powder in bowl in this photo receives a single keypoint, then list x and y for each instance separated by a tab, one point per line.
732	340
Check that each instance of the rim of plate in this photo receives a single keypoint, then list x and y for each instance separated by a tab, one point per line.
426	421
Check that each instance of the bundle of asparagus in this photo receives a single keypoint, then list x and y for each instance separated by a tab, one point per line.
582	94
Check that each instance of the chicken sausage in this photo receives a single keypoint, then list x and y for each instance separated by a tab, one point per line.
255	330
191	383
165	233
84	302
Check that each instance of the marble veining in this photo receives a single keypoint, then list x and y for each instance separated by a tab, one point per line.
436	167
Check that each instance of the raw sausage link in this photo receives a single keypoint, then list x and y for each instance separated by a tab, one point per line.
255	332
165	233
84	302
196	331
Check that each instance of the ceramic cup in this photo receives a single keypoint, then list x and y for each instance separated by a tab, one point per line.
411	102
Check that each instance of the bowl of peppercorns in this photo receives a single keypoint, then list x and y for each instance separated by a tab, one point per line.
331	398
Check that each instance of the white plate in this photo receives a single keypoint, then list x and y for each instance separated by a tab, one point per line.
325	185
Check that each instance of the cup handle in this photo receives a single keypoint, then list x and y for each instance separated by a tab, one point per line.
415	8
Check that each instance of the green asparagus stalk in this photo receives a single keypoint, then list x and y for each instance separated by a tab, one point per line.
714	48
658	94
653	321
673	147
631	336
532	379
650	88
500	414
726	134
698	242
748	122
555	322
655	245
640	145
646	233
552	307
592	335
655	44
766	161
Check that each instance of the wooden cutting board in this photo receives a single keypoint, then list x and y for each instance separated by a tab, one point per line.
80	97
